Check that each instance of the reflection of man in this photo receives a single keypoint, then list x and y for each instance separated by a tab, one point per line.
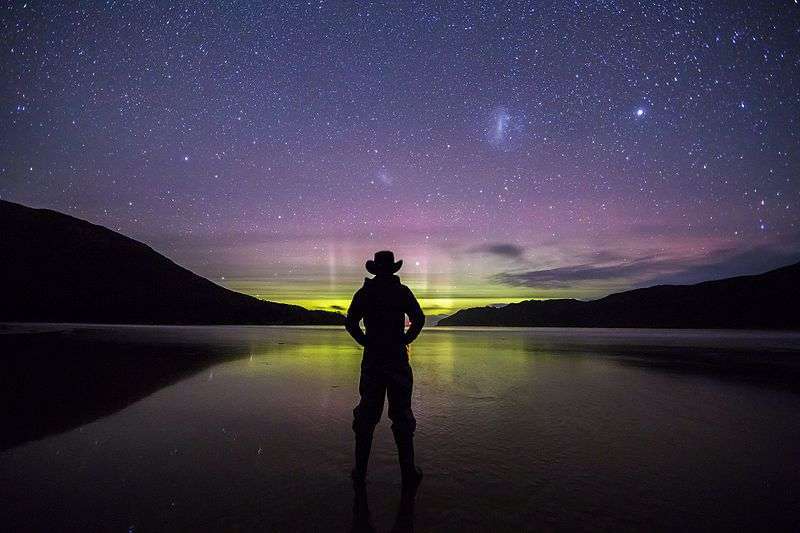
383	302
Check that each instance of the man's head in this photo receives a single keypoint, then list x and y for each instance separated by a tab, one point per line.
383	264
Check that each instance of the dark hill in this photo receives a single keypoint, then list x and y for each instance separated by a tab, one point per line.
57	268
763	301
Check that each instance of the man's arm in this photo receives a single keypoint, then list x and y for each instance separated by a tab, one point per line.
415	315
354	315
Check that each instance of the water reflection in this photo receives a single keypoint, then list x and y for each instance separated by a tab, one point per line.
58	380
208	429
362	518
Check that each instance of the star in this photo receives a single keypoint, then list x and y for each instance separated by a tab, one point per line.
418	133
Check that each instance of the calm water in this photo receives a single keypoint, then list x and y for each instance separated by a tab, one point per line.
248	428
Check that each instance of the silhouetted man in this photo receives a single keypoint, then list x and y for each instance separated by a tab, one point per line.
383	302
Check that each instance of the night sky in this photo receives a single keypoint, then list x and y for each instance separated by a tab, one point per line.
504	151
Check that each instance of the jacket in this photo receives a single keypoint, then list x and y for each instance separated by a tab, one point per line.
383	302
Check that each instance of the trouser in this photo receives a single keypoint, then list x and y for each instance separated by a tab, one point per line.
381	378
393	380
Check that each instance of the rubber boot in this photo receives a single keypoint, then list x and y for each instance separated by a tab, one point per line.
404	520
362	519
363	447
410	473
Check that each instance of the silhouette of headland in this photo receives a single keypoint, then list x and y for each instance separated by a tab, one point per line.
57	268
762	301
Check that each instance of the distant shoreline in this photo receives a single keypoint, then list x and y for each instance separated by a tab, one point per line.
427	329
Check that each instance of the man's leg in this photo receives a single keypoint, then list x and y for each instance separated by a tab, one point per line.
365	416
400	384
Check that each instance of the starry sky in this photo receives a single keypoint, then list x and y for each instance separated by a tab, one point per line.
503	150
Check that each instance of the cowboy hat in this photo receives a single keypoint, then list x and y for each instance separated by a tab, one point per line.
383	263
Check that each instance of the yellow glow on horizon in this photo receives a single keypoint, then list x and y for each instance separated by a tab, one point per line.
431	306
324	276
435	300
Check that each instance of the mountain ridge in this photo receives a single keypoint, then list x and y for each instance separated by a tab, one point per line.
59	268
756	301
